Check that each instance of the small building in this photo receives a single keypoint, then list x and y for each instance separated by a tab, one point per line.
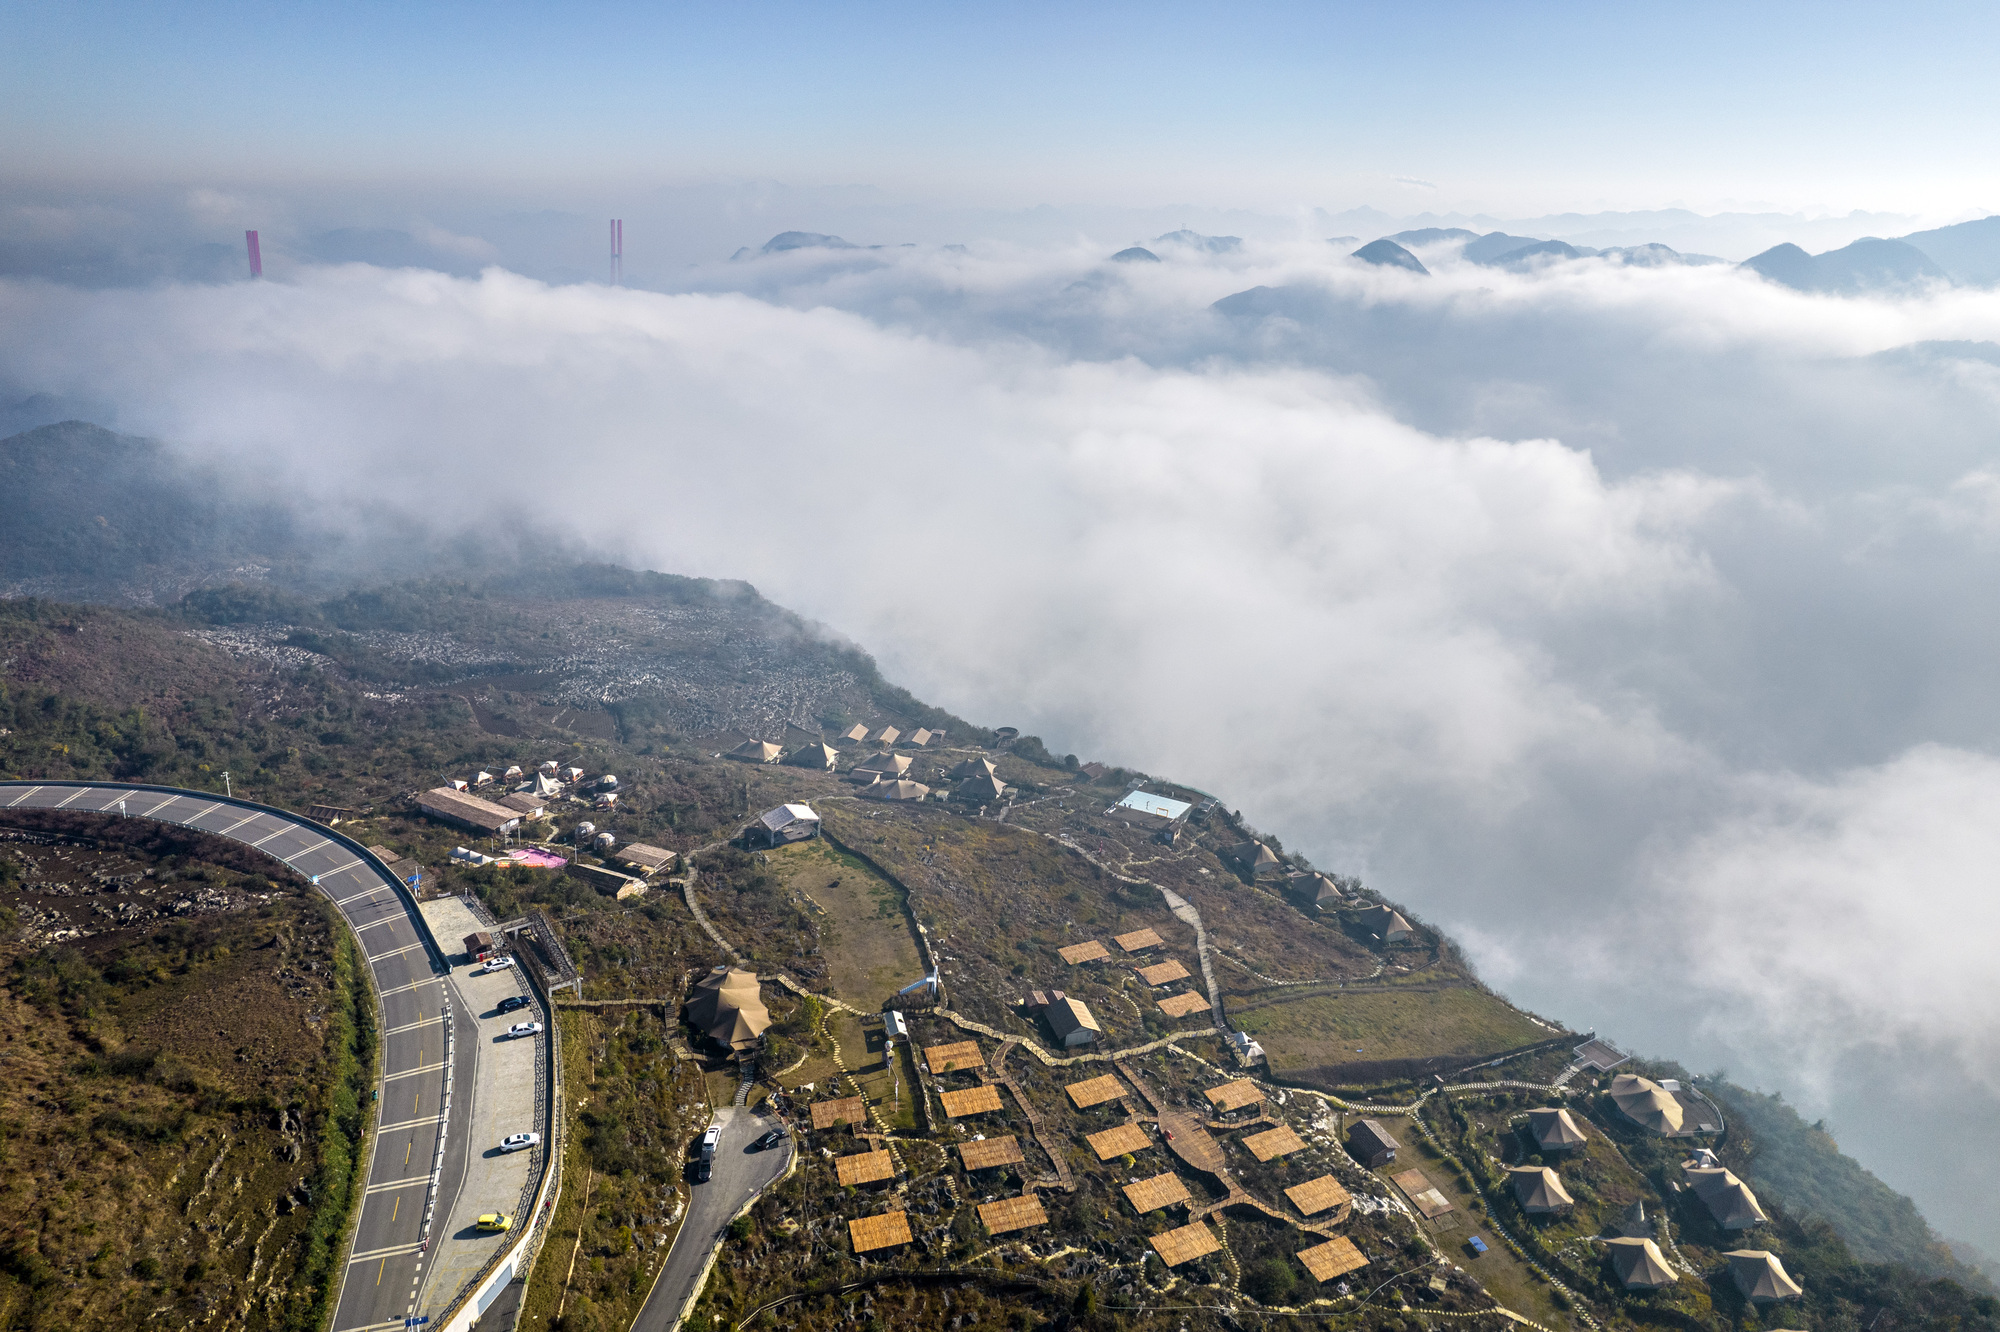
1185	1244
979	790
1386	923
477	945
1038	1000
756	751
1761	1277
548	767
1254	860
817	756
727	1007
920	737
468	811
407	871
1369	1143
1163	973
1274	1143
1539	1190
973	767
640	856
1144	807
888	735
857	733
1315	890
1639	1264
982	1100
546	786
482	778
897	790
329	814
845	1112
1646	1103
513	773
1555	1130
1072	1022
529	807
572	775
783	825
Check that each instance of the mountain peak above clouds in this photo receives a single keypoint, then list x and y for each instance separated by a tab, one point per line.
1869	264
805	240
1194	240
1388	254
1135	254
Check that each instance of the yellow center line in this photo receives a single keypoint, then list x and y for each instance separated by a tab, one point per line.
406	1148
392	1212
414	1104
380	1270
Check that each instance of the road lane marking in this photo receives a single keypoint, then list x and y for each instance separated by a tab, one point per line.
204	814
397	1184
412	1072
306	851
328	874
412	1026
392	1221
23	796
413	985
358	896
157	808
81	790
384	957
406	1124
238	824
386	920
393	1251
268	836
385	1267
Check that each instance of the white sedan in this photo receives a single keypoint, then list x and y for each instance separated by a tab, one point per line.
520	1142
525	1029
497	963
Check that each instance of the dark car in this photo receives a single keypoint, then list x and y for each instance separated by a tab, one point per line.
770	1140
513	1003
702	1170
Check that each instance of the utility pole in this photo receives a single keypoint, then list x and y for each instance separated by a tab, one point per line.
227	789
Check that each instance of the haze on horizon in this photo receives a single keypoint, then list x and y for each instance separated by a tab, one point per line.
1630	624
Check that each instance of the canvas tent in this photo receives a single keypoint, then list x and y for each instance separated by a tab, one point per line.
985	790
1646	1103
1639	1264
1254	859
756	751
973	767
1729	1199
818	757
883	765
1555	1130
728	1008
1387	922
1761	1277
1316	890
1539	1189
897	791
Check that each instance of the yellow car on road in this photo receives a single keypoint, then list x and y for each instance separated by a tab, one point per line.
496	1221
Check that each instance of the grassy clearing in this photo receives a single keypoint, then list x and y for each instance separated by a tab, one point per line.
632	1111
1343	1038
864	933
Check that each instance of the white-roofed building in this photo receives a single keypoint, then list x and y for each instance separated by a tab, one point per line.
786	823
1156	808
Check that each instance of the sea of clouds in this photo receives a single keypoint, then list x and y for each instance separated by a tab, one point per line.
1636	626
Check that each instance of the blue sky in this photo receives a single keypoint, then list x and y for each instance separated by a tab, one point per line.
1520	108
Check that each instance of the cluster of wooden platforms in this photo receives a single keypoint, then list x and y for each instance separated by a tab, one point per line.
1331	1259
1280	1141
1095	1091
1012	1214
1184	1245
1319	1195
1234	1095
1150	1195
989	1153
971	1101
1181	1005
1162	973
1091	951
852	1109
1118	1141
865	1167
960	1056
879	1232
1139	940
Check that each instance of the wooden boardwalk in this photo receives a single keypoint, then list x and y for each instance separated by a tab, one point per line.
996	1072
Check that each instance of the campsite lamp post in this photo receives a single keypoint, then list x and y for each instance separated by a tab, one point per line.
227	789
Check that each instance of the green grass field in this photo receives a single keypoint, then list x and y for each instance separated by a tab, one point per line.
1370	1027
864	934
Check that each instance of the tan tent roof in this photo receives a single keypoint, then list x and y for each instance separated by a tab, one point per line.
1639	1264
897	791
879	1232
1336	1257
855	732
1316	886
1095	1091
1253	856
979	788
990	1152
1647	1103
817	756
1280	1141
1118	1141
1729	1199
1150	1195
727	1006
1761	1277
757	751
1387	922
920	737
888	735
974	767
1012	1214
1183	1004
1539	1189
889	765
1554	1129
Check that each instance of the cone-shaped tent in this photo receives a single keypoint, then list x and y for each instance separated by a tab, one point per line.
1647	1103
1555	1130
727	1006
1761	1277
816	756
756	751
1639	1264
1729	1199
1387	922
974	767
1540	1189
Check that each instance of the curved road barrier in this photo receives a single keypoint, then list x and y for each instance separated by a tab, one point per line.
417	1156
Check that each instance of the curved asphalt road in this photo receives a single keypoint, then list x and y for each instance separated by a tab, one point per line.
384	1272
740	1175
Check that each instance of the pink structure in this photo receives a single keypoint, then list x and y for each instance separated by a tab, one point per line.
617	251
256	255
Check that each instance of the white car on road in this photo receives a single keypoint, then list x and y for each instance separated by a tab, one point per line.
497	964
525	1029
520	1142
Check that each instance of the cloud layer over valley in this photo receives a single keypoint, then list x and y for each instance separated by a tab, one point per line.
1632	624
